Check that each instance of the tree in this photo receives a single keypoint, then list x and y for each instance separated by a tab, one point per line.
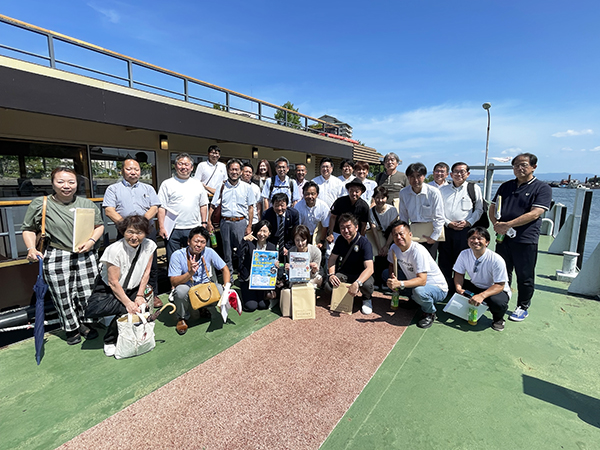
293	120
219	107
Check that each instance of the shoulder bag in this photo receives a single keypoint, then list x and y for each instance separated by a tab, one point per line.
215	218
483	221
41	238
203	294
103	301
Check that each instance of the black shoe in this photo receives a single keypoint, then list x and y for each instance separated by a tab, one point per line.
73	337
498	325
426	320
88	332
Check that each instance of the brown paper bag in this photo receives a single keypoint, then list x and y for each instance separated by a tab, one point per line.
341	301
285	303
303	301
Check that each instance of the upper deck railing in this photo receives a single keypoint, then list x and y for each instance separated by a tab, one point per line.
62	51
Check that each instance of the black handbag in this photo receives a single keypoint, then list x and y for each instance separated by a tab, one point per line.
103	301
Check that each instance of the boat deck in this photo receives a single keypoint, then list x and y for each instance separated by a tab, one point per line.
451	386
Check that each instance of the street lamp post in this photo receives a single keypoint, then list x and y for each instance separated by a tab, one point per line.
487	107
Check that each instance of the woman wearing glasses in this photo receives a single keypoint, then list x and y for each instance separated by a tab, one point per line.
125	273
488	276
70	273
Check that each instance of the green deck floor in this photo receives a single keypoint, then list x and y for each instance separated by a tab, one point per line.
73	389
453	386
534	386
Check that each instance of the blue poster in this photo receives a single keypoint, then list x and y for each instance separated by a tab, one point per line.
263	273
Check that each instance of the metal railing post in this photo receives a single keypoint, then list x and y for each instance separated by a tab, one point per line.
185	90
12	237
51	51
130	73
259	111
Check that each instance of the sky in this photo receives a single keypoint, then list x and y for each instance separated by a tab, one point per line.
409	76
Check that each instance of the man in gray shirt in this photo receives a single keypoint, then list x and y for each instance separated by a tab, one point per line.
393	180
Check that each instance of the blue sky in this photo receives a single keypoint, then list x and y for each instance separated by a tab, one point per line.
410	77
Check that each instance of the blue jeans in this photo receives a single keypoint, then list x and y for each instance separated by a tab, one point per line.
425	296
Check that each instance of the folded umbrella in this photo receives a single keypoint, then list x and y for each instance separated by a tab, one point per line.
40	288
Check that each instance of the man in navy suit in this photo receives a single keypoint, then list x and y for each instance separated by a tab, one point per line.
282	220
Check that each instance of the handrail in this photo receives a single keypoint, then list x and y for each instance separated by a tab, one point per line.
27	202
52	34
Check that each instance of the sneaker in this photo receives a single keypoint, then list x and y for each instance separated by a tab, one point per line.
498	325
519	314
426	320
73	337
367	307
110	349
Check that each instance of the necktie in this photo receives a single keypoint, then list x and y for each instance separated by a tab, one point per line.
280	233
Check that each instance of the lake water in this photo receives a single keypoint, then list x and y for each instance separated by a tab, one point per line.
567	198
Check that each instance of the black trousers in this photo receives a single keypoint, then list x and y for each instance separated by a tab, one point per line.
498	304
522	259
448	251
112	331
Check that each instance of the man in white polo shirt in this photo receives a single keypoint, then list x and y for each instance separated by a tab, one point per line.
424	281
185	201
237	209
330	188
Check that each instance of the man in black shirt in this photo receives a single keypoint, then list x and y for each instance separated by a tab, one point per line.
352	262
353	204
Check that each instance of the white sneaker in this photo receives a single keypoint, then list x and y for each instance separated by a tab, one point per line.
367	307
110	349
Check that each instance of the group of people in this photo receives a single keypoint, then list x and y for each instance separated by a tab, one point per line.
352	227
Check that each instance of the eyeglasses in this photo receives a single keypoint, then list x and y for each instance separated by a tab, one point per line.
134	232
459	172
184	164
477	263
521	166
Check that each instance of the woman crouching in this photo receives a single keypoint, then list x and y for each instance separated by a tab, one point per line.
125	273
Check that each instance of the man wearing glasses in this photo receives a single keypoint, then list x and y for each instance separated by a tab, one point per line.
212	173
461	212
183	205
440	175
520	203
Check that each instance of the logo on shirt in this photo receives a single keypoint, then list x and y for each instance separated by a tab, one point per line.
356	248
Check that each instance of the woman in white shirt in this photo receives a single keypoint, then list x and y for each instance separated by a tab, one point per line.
302	237
125	273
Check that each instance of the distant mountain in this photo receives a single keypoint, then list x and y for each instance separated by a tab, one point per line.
508	175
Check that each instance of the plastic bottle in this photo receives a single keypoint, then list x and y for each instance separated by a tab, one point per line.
395	299
213	240
499	237
472	315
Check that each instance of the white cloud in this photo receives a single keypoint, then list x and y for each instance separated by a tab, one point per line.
512	151
110	14
566	149
572	133
595	149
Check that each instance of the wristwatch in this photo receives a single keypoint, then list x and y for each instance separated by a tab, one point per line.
359	283
401	284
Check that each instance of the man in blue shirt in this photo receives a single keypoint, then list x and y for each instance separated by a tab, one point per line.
191	266
130	197
520	203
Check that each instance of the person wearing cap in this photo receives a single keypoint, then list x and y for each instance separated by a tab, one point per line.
353	204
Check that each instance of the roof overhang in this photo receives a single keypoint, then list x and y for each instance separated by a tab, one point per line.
35	88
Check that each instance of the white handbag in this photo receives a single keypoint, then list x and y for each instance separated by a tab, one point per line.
136	335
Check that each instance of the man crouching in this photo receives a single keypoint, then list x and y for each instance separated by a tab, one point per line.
191	266
351	261
422	277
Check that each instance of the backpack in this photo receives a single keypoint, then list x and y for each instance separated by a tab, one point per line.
290	187
484	220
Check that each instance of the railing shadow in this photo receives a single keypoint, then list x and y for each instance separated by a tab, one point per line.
584	406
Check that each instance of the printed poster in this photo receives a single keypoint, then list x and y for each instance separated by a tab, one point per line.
263	272
299	267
